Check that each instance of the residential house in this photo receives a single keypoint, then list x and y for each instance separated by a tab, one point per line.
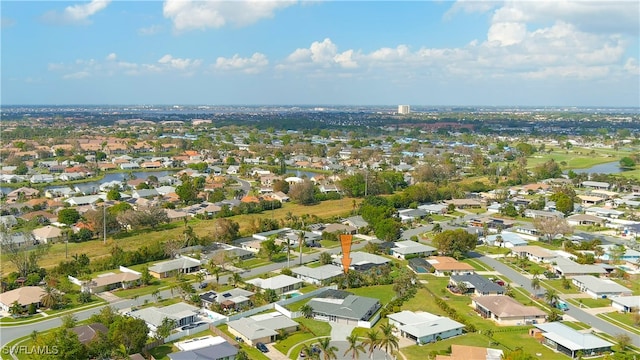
235	298
465	203
596	185
445	266
24	296
321	275
18	239
343	307
534	253
281	284
262	328
585	219
571	342
220	351
599	288
629	256
362	261
626	304
604	212
41	178
183	264
434	209
537	214
409	215
408	249
47	234
476	284
355	221
22	193
506	239
507	311
568	268
590	200
182	313
88	333
112	281
8	221
424	327
466	352
144	193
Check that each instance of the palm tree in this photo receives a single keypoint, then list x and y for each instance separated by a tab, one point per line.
388	341
328	350
236	278
551	297
437	228
50	299
354	347
535	284
15	309
308	352
155	294
307	311
371	341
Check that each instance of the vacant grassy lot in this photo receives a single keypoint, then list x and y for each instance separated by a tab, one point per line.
134	240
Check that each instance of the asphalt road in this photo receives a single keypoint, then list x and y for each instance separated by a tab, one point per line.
574	312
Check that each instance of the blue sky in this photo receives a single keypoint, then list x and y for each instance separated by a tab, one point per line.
582	53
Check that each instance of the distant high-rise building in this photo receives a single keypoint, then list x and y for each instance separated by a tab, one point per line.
403	109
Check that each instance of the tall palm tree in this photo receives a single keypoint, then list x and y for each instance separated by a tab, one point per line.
551	297
50	298
389	342
354	347
236	278
328	350
535	284
307	311
371	341
308	352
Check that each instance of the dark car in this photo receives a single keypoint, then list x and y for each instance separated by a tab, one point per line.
262	347
189	327
203	285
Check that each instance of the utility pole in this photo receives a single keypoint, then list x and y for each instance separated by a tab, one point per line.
104	223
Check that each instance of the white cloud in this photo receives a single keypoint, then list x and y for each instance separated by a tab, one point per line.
76	75
199	15
252	65
179	64
506	33
112	57
631	66
151	30
76	14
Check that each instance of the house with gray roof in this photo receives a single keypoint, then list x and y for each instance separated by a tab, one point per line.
407	249
280	284
424	327
571	342
356	221
8	221
222	351
182	313
261	328
231	299
321	275
144	193
569	268
183	264
626	303
362	261
343	307
476	284
599	288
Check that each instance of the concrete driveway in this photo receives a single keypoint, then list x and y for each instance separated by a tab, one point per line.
339	332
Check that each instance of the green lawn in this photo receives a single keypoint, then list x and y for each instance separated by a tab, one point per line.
493	250
382	292
309	329
143	290
477	265
625	318
252	352
328	244
595	303
557	285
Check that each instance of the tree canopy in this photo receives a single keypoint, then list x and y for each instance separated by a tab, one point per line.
450	242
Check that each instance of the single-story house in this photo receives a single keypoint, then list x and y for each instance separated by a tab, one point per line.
599	288
408	248
356	221
570	342
534	253
25	296
476	284
466	352
542	214
465	203
407	215
626	303
47	234
280	283
235	298
8	221
87	333
362	261
584	219
17	239
507	311
318	276
434	208
111	281
261	328
220	351
604	212
182	313
596	184
343	307
424	327
506	239
630	256
445	266
183	264
568	268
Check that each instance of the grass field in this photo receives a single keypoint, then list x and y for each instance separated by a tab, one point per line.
557	285
577	158
625	318
382	292
134	240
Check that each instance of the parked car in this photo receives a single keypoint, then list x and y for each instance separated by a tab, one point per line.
262	347
202	285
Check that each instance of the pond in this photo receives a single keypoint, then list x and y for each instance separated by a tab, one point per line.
606	168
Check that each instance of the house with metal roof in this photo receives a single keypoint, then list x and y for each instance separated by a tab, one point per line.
569	268
320	275
534	253
599	288
507	311
261	328
343	307
280	283
424	327
408	248
476	284
506	239
183	264
626	303
570	342
362	261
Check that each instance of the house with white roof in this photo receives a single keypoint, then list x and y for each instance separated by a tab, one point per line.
280	284
506	239
534	253
182	313
407	249
569	268
362	261
599	288
571	342
320	275
183	264
626	303
424	327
